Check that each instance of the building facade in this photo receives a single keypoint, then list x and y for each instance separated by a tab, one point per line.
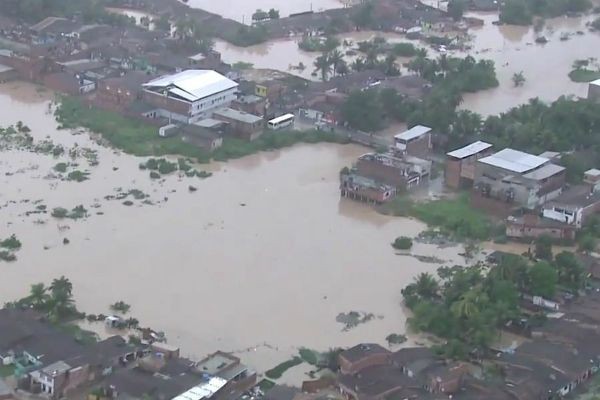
416	141
460	164
190	95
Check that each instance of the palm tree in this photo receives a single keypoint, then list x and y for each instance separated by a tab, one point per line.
60	306
358	64
37	295
371	59
61	285
444	63
468	304
389	66
426	285
323	64
342	68
336	58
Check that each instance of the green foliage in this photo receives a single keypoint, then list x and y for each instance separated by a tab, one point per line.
309	356
456	9
61	167
516	12
363	16
404	50
543	279
12	243
395	338
7	256
309	43
584	75
277	371
455	217
543	247
76	213
402	243
120	307
570	271
78	176
249	35
587	243
518	79
241	65
363	111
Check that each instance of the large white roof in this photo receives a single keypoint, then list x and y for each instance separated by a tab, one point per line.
192	84
514	160
204	390
413	132
470	149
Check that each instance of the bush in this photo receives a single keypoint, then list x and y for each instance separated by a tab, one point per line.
277	371
78	176
309	356
404	49
7	256
402	243
61	167
395	338
12	243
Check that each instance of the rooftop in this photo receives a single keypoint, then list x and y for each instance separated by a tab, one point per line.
413	133
592	172
205	390
5	68
469	150
192	84
216	362
363	350
578	196
595	83
544	172
514	160
238	115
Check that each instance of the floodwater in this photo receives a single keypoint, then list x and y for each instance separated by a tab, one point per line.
258	261
545	67
512	48
242	10
284	54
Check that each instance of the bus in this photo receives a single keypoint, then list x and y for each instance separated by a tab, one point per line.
281	122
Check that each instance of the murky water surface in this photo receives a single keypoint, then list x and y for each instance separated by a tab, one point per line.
259	260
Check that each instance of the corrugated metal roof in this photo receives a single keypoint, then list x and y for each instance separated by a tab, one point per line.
544	172
413	132
193	84
204	390
237	115
470	149
514	160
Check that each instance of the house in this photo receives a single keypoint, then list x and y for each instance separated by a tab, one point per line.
413	360
460	164
251	104
594	90
512	178
69	83
416	141
238	377
365	189
362	356
241	124
531	226
123	90
574	206
402	172
190	95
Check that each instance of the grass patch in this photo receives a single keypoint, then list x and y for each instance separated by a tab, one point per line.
277	371
141	139
455	217
584	75
6	370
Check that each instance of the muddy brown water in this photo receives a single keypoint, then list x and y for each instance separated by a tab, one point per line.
259	260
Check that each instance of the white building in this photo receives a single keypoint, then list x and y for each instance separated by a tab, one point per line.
594	90
190	95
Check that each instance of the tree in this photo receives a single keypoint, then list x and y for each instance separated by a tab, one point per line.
587	243
363	16
260	15
273	14
38	296
363	111
543	279
426	285
469	304
516	12
543	247
342	68
121	307
389	66
336	58
61	285
162	23
323	65
456	9
518	79
358	64
570	270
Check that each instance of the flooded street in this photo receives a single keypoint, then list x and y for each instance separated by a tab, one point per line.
242	10
259	261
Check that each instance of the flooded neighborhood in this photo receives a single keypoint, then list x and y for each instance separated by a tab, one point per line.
307	199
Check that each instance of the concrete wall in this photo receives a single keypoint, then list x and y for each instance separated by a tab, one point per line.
593	92
516	230
419	147
381	173
452	173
